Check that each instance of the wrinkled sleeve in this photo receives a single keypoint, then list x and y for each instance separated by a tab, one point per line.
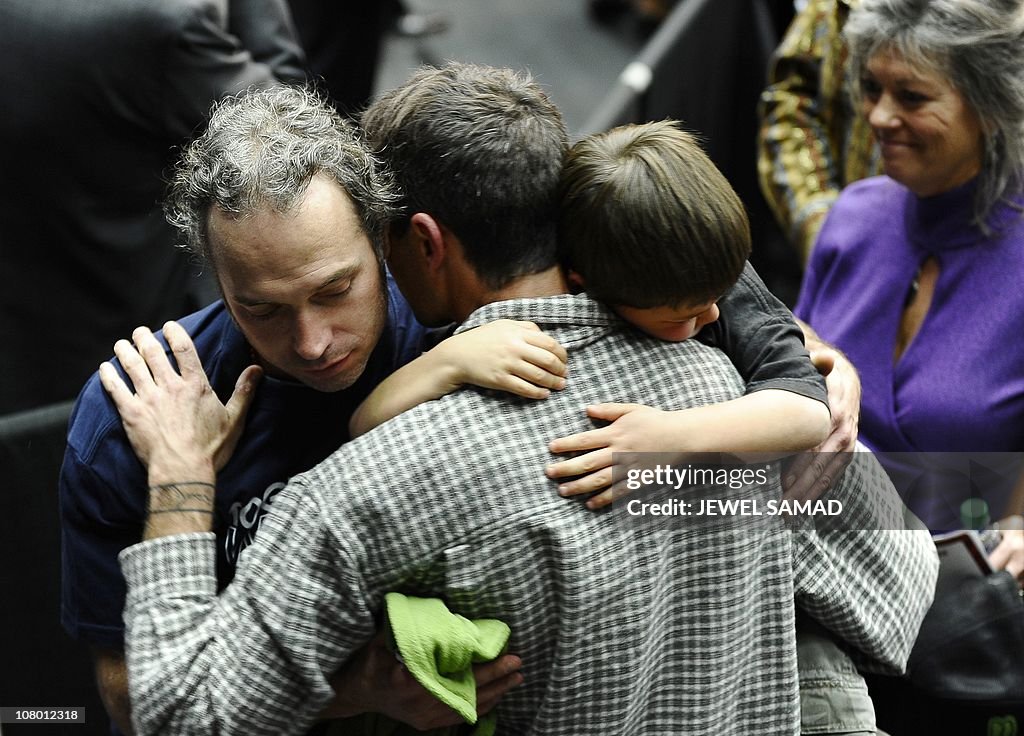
255	659
93	533
763	341
868	574
102	503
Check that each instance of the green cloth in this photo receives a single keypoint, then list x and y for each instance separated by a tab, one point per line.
439	648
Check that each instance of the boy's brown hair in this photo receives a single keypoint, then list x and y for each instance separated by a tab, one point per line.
648	221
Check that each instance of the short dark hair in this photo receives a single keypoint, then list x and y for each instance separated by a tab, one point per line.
648	221
480	149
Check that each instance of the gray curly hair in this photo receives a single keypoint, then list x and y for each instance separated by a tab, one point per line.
978	47
262	148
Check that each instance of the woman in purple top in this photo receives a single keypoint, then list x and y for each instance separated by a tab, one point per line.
917	275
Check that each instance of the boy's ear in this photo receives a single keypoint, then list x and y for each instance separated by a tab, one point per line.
428	237
576	283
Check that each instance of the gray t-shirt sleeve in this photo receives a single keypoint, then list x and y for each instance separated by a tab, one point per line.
762	339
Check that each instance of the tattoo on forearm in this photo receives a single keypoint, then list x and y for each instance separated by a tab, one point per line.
180	497
208	512
178	508
180	483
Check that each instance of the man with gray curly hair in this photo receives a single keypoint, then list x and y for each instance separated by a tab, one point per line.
287	206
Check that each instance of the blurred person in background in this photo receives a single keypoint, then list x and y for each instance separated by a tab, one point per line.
812	142
98	94
342	41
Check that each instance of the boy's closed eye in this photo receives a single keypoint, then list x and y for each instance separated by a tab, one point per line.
672	324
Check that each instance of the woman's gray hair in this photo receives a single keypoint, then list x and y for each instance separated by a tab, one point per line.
262	148
978	47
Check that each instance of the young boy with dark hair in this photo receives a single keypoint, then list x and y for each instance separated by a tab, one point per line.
648	222
649	226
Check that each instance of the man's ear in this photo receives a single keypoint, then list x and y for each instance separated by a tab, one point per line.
429	238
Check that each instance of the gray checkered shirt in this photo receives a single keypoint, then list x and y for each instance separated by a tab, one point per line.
622	629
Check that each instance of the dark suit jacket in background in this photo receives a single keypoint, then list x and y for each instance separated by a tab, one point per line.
96	96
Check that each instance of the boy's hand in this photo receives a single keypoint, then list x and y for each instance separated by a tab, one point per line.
634	428
506	355
812	473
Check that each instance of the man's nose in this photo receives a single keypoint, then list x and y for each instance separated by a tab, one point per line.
311	334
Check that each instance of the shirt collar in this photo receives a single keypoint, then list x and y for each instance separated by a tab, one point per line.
576	310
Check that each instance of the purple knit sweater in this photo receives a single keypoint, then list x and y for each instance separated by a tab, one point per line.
959	385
